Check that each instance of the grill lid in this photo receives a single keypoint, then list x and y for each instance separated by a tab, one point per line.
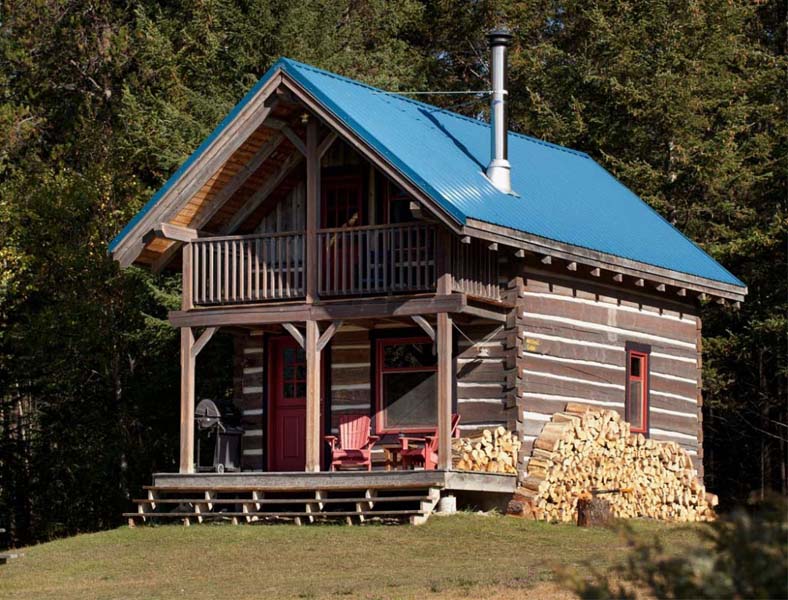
207	414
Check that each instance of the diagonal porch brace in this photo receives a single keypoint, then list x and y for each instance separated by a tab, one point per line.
322	342
296	333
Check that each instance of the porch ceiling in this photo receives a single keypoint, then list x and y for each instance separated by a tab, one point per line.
214	205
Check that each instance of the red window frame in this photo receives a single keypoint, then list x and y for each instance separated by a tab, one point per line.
641	380
380	369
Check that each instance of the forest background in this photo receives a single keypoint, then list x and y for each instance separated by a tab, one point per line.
100	101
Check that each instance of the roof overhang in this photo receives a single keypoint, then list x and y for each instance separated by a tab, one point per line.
597	262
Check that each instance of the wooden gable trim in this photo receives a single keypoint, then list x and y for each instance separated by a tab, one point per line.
372	155
575	255
249	118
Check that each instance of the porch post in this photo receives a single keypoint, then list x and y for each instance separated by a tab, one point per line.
312	396
187	400
444	343
445	377
312	204
187	367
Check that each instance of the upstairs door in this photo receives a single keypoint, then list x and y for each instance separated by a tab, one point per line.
287	406
341	208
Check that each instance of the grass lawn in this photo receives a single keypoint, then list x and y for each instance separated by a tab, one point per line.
465	555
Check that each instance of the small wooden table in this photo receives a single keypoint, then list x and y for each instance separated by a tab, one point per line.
391	456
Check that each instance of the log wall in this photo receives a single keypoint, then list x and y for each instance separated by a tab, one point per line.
571	348
248	378
351	389
485	377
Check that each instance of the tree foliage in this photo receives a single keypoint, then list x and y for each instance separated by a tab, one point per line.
740	556
100	101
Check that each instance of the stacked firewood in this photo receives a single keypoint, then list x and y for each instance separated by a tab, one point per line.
491	451
586	451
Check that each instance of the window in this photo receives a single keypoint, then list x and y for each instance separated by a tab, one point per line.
407	385
398	205
637	387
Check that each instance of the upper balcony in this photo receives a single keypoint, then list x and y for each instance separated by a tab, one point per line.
376	260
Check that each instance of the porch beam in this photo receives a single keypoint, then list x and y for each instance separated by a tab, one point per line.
187	401
445	377
296	333
425	325
485	313
175	233
312	397
204	338
374	308
327	335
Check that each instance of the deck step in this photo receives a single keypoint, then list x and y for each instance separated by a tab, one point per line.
288	498
312	500
343	513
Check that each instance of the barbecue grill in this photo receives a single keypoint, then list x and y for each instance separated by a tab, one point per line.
214	433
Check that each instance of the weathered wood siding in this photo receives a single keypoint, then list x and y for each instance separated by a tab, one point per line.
351	388
571	348
485	377
249	378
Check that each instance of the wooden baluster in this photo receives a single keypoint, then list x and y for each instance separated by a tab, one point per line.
264	277
241	271
225	279
376	264
335	263
286	241
301	256
419	246
257	268
384	260
249	281
321	283
279	268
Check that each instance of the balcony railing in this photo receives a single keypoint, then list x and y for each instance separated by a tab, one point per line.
248	269
357	261
376	260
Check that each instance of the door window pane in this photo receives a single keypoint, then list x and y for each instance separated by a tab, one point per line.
635	405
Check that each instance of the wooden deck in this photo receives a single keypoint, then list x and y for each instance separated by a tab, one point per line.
308	497
338	480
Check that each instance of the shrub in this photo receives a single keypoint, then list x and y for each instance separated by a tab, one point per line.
742	555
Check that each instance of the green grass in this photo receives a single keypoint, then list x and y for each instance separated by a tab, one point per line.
465	555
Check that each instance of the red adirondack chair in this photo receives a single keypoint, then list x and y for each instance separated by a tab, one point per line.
355	444
427	453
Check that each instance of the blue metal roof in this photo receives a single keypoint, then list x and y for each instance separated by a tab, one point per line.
561	194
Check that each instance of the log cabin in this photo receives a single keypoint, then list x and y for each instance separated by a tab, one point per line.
374	255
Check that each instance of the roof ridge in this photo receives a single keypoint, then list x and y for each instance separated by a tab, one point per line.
450	113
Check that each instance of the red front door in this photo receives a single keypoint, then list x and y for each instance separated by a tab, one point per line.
287	406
